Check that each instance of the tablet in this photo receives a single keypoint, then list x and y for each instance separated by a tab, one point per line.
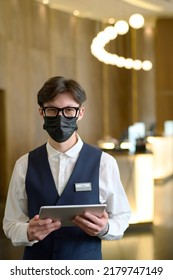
66	213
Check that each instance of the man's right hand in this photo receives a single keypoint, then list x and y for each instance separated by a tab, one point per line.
39	229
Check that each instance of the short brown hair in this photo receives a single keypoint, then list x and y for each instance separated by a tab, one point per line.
57	85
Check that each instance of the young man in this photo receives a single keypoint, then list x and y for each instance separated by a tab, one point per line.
48	176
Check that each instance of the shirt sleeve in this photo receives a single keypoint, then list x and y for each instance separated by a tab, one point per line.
113	194
15	220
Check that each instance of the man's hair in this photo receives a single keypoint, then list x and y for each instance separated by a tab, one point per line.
58	85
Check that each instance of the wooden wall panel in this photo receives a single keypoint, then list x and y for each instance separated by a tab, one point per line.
146	79
3	146
89	73
164	77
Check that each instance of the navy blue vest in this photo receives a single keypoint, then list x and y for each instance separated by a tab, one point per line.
67	243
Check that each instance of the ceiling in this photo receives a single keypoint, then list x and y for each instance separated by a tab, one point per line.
118	9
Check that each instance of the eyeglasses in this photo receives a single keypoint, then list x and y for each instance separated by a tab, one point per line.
68	112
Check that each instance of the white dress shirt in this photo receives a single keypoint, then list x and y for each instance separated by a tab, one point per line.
111	192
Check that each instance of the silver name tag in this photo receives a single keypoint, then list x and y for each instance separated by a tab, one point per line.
81	187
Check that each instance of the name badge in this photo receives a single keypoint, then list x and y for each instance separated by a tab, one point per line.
81	187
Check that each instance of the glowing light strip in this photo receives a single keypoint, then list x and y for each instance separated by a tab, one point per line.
145	5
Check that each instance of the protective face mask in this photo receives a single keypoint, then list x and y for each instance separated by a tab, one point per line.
60	128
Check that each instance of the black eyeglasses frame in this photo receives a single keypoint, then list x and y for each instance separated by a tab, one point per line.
61	110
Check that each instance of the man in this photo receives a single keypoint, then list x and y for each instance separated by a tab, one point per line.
49	175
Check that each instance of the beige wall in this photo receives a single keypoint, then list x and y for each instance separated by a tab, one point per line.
37	42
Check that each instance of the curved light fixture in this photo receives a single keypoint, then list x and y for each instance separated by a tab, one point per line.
111	33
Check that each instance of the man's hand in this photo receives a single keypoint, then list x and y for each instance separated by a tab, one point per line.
92	224
39	229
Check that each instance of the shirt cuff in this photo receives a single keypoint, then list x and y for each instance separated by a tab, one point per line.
113	232
103	231
22	237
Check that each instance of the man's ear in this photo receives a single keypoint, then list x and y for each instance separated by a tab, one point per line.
81	113
41	112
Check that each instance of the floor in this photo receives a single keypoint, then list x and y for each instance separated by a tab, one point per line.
152	242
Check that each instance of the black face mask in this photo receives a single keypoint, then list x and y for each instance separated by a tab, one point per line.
60	128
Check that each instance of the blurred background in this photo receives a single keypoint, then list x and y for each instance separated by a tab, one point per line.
129	103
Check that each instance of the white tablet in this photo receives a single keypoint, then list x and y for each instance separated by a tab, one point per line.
66	213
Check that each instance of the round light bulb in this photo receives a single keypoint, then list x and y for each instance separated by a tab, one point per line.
147	65
137	64
110	32
128	63
136	21
121	27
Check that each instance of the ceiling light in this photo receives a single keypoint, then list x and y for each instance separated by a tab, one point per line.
111	20
136	21
104	37
76	13
45	2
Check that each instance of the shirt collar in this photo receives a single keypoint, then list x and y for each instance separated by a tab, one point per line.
72	152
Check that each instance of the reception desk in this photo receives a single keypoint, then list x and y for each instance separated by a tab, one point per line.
140	171
162	149
136	173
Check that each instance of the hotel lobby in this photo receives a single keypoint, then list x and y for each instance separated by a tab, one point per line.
129	87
